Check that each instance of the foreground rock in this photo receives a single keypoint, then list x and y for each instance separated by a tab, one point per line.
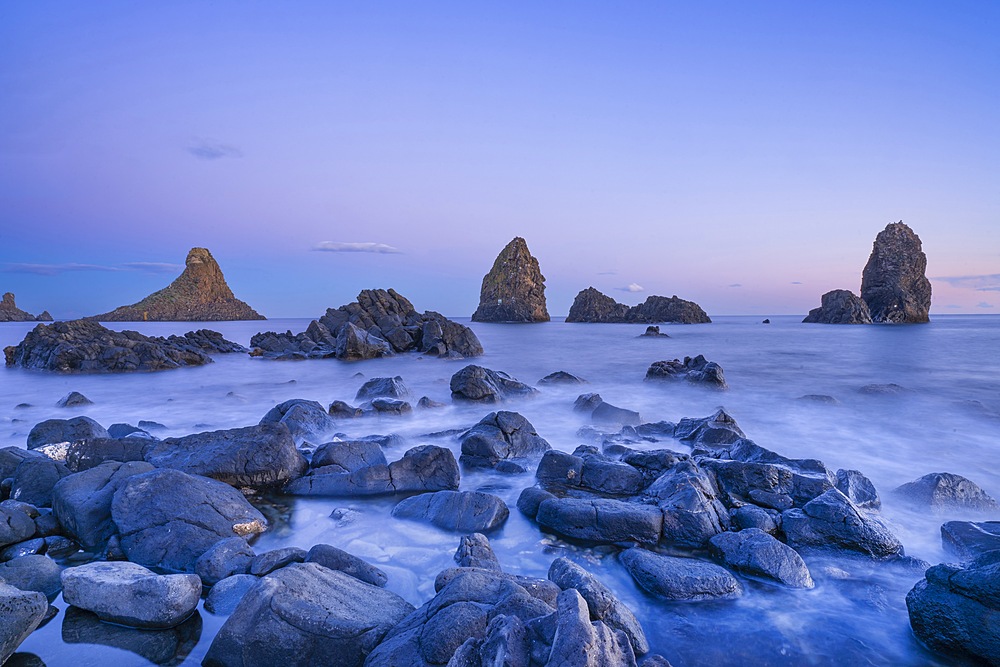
21	612
514	289
894	284
423	468
129	594
380	323
306	420
968	540
833	521
675	578
475	383
840	307
501	436
52	431
9	312
591	305
86	346
305	613
943	490
754	552
199	294
463	511
696	371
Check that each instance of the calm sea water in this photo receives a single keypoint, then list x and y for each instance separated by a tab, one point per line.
947	420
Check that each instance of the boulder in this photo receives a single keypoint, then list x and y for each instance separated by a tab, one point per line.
32	547
11	457
33	572
333	558
34	479
591	305
303	611
754	552
945	491
15	525
698	371
751	516
167	519
382	388
688	499
390	406
587	403
462	511
225	596
893	283
348	456
423	468
475	551
967	539
269	561
603	520
859	489
72	400
225	558
500	436
207	341
255	456
840	306
343	410
561	377
475	383
514	288
21	612
719	428
356	344
129	594
85	454
578	642
832	521
605	413
653	331
306	420
676	578
52	431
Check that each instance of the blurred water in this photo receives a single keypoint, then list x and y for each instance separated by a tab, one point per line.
946	420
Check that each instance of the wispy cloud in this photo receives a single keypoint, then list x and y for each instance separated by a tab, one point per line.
987	282
608	273
736	285
209	149
377	248
983	304
55	269
155	267
796	282
631	287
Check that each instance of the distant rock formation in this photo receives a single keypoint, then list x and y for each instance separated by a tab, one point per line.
379	324
591	305
9	312
840	306
514	289
200	294
893	283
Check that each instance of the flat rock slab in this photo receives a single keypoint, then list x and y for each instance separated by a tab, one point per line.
464	511
680	578
601	520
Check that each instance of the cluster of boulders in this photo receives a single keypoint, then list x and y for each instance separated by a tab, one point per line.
696	370
590	305
380	323
9	312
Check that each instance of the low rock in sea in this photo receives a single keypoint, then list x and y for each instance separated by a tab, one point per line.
676	578
653	331
21	612
754	552
475	383
382	387
840	306
605	413
832	521
860	490
719	428
475	551
591	305
348	455
561	377
970	539
696	371
462	511
9	312
72	400
946	491
689	501
305	419
500	436
602	520
53	431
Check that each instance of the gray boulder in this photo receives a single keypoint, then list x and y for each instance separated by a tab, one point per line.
333	558
225	595
605	413
382	388
356	344
462	511
751	516
832	521
475	551
84	454
754	552
578	642
967	539
719	428
275	559
306	420
224	559
689	501
697	370
21	612
602	520
943	490
52	431
33	572
587	403
72	400
423	468
859	489
302	612
11	457
675	578
35	478
561	377
475	383
500	436
390	406
15	525
348	456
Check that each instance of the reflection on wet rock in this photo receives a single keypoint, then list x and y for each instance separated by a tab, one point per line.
161	647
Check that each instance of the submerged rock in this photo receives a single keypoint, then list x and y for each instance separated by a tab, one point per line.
969	540
9	312
591	305
475	383
423	468
696	371
840	306
943	490
463	511
514	288
72	400
894	284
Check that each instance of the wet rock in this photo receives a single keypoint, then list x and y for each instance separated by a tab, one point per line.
890	389
514	288
21	612
34	479
561	378
15	525
269	561
85	454
500	436
719	428
966	539
754	552
348	456
559	468
859	489
769	484
423	468
30	547
591	305
129	594
382	387
53	431
602	520
33	572
302	611
475	383
696	371
675	578
168	519
587	403
463	511
224	559
819	398
333	558
11	457
579	643
426	402
225	595
306	420
343	410
391	407
942	490
653	332
689	502
160	647
893	283
475	551
751	516
840	306
605	413
832	521
255	456
57	546
73	399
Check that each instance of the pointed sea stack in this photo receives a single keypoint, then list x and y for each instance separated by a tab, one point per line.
9	312
840	306
514	289
893	283
591	305
200	294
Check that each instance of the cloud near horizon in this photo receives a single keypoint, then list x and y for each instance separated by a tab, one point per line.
56	269
631	287
376	248
736	285
983	304
208	149
987	282
155	267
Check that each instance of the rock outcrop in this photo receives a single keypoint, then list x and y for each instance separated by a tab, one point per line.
840	306
591	305
514	289
380	323
893	283
9	312
199	294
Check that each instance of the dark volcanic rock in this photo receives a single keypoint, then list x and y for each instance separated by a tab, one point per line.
225	596
840	306
72	400
53	431
15	525
306	420
34	479
653	332
33	572
858	488
688	498
475	551
943	490
200	294
969	540
21	612
514	289
337	559
680	578
348	456
206	340
832	521
893	283
475	383
591	305
269	561
756	553
92	452
382	388
604	520
9	312
423	468
463	511
561	377
501	436
605	413
226	558
697	371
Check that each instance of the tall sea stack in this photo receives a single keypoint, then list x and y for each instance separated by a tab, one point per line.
514	289
893	283
200	294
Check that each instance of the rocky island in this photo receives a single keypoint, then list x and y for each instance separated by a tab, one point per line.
199	294
590	305
514	289
9	312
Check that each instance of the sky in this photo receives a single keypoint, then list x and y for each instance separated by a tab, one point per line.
739	154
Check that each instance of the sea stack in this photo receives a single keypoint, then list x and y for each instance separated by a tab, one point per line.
590	305
893	283
840	306
200	294
514	289
9	312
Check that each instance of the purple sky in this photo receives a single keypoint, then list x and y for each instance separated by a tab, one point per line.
742	155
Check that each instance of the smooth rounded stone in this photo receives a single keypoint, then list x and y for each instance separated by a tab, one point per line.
15	526
129	594
688	499
160	647
697	370
475	551
333	558
858	488
774	501
303	611
943	490
601	602
587	403
561	377
559	468
305	420
423	468
751	516
82	501
832	521
957	611
343	410
27	548
754	552
824	399
47	525
464	511
348	456
680	578
72	400
500	436
840	306
52	431
255	456
530	499
85	454
269	561
510	468
227	593
610	477
605	413
391	406
578	641
34	479
601	520
384	387
224	559
119	431
168	519
33	572
475	383
22	612
27	508
969	540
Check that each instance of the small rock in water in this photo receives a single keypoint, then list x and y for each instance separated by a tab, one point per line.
890	389
226	594
943	490
561	377
969	540
426	402
382	387
675	578
73	399
653	331
696	371
819	398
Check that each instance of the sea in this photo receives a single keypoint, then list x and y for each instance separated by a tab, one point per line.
945	417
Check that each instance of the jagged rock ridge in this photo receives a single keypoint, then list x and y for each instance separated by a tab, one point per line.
9	312
590	305
894	284
199	294
514	289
